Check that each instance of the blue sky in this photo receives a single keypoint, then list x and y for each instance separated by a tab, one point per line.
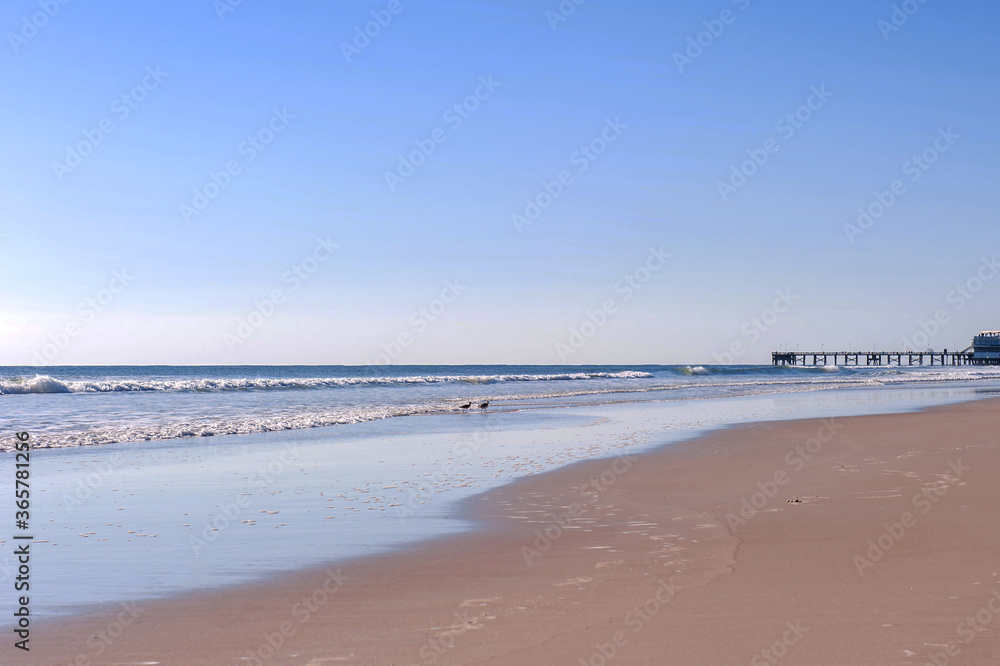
329	128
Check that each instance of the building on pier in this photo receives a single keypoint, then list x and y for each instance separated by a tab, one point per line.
986	348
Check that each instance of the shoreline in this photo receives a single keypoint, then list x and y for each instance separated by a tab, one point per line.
485	452
561	555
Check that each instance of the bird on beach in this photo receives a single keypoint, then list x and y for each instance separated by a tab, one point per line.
466	405
484	405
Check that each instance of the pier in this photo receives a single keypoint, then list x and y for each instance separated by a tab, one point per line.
876	358
984	350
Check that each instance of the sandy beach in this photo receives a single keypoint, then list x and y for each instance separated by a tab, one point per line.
860	540
506	333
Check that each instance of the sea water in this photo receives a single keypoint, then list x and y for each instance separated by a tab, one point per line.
72	406
154	481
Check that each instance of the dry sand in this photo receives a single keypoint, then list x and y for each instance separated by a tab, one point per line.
742	547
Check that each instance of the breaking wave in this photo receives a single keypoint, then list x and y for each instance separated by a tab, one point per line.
46	384
211	401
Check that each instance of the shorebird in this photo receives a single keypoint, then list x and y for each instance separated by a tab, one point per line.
484	405
466	405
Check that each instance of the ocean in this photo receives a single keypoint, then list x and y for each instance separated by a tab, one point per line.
75	406
149	482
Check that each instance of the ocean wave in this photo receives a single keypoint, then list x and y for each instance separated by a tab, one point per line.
149	428
757	370
221	418
47	384
40	384
211	427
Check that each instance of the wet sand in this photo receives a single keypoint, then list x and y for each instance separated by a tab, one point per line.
861	540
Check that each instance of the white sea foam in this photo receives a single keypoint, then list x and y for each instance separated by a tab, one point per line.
164	407
210	427
40	384
46	384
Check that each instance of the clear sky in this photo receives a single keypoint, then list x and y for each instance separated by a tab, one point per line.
135	245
